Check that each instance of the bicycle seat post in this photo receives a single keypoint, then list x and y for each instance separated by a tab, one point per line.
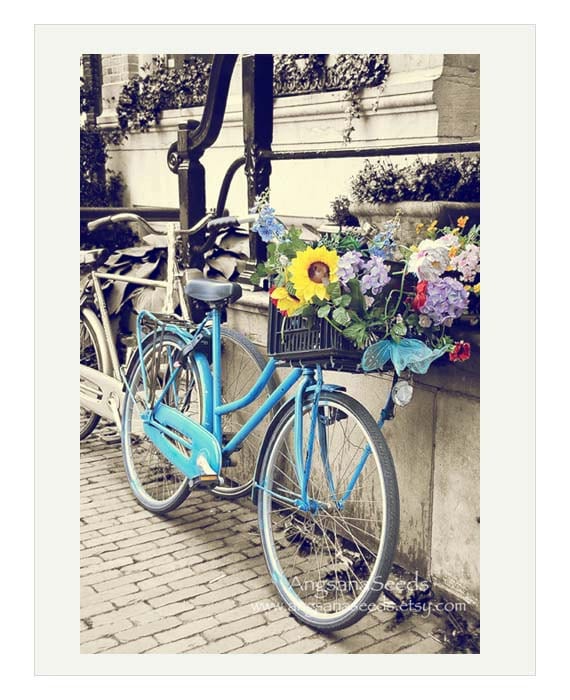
217	368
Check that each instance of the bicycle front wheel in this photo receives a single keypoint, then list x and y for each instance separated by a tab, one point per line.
331	556
155	482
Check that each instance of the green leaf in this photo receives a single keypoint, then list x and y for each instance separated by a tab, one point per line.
334	291
344	300
324	311
341	316
357	302
399	329
357	332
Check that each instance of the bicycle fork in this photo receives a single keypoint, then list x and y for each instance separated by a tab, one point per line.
319	419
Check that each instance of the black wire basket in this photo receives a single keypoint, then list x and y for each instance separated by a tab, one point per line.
303	343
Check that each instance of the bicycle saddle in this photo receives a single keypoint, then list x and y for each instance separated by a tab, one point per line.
213	292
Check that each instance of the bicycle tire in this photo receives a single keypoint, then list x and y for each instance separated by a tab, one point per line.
90	354
156	484
238	376
314	556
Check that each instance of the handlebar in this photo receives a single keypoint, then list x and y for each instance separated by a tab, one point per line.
118	218
213	226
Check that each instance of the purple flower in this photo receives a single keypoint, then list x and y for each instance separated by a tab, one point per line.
349	266
377	275
446	300
467	262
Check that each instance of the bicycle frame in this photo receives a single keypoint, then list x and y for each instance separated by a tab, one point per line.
309	380
103	393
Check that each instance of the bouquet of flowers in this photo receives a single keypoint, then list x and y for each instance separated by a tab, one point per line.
396	303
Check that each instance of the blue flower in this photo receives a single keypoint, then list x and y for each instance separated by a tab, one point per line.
267	226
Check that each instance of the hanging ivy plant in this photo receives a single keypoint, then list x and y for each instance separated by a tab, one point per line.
144	98
353	73
295	74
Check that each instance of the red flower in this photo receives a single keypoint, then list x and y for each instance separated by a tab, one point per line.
421	295
461	352
273	301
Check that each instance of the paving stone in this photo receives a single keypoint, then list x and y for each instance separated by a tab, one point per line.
108	630
138	577
297	633
102	565
129	612
349	645
393	644
236	613
137	646
235	627
263	596
179	647
152	552
139	631
226	606
425	646
268	630
222	646
214	596
94	609
187	630
218	563
168	563
100	577
277	613
113	594
133	552
178	596
98	645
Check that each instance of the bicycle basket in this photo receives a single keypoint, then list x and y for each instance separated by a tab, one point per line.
296	341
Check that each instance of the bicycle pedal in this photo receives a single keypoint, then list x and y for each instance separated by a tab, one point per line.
209	481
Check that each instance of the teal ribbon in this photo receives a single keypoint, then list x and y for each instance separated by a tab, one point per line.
409	353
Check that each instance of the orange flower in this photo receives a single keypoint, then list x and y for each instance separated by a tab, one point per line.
462	221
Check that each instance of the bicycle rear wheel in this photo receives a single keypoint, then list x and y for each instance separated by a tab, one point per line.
155	482
242	363
329	563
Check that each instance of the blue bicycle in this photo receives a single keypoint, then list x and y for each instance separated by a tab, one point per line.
324	485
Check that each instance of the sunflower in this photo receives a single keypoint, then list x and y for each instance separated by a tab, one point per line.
311	271
284	302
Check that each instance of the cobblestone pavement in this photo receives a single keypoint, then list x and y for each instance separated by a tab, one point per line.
195	580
